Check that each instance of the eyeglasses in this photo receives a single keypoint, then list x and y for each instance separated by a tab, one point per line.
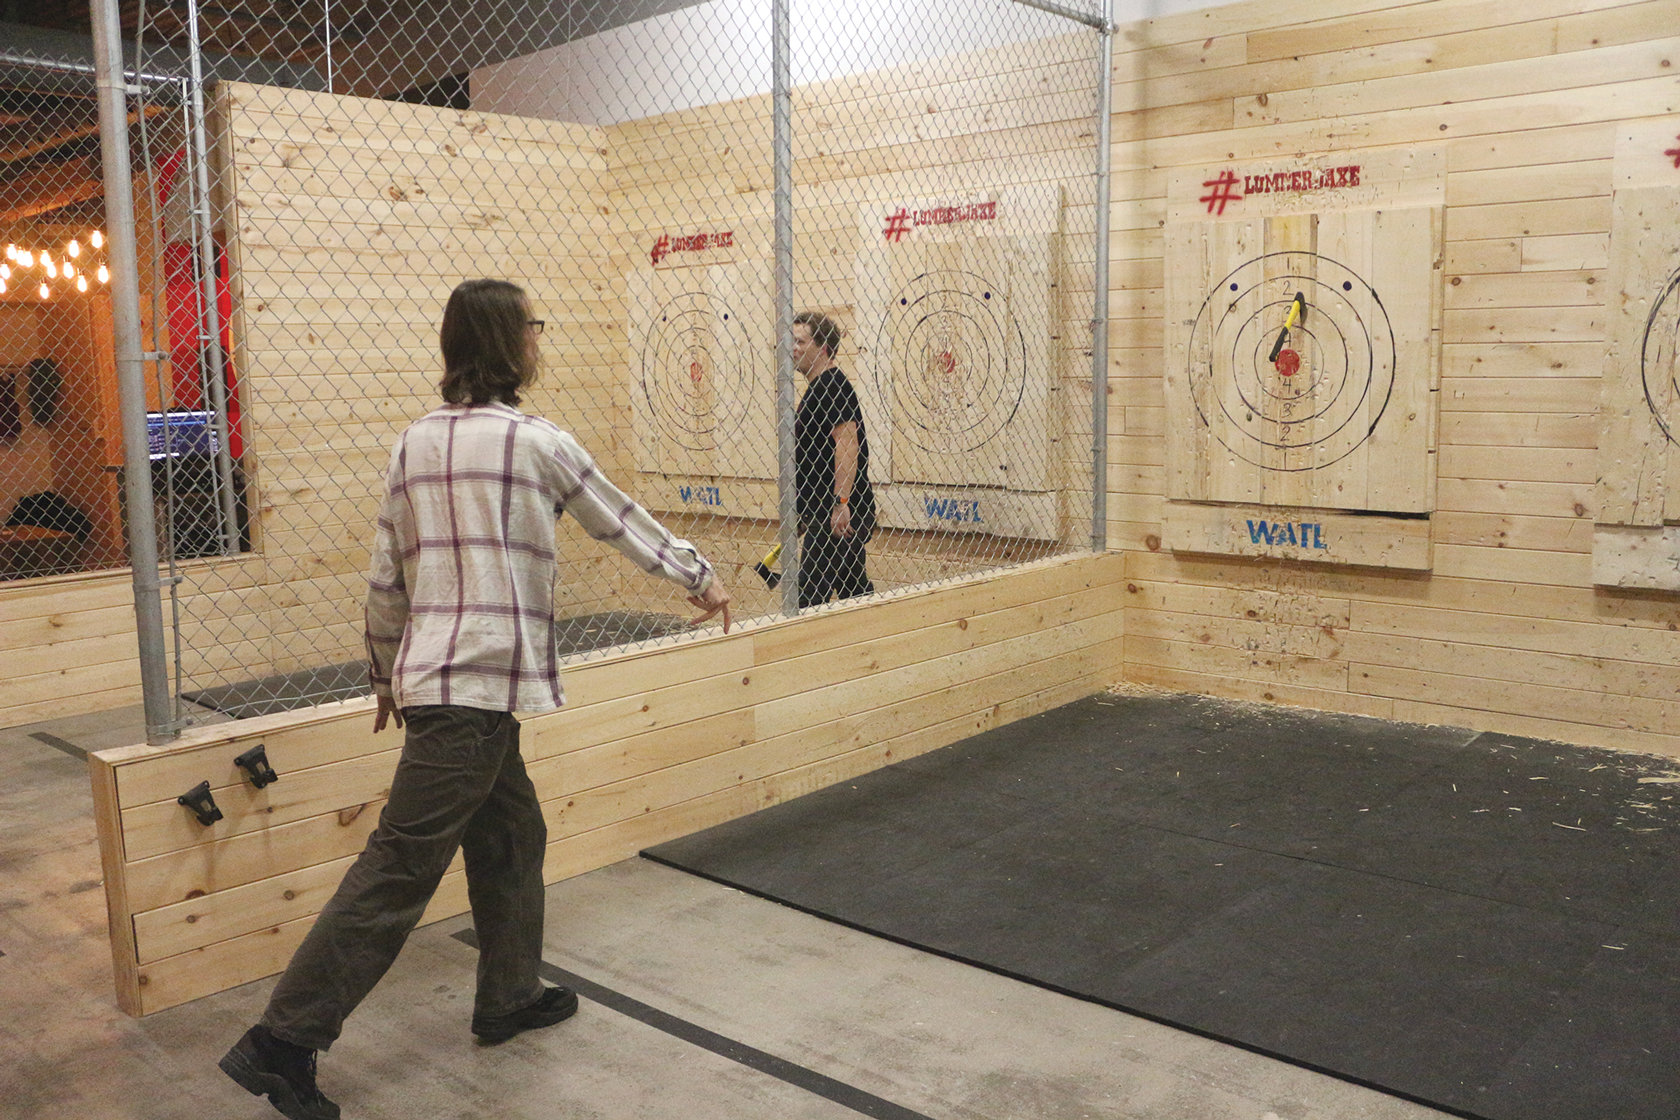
536	325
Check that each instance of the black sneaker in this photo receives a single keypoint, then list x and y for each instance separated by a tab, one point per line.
282	1071
553	1006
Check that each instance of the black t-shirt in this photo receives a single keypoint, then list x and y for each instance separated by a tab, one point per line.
829	401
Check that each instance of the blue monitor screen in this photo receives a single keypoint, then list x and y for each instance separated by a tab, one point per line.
180	433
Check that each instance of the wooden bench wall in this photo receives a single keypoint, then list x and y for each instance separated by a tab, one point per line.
652	745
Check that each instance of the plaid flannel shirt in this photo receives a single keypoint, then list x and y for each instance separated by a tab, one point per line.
460	605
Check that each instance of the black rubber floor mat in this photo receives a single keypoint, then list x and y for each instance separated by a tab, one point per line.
286	692
307	687
1484	924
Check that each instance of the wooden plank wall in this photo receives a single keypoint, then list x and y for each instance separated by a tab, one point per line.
349	221
1508	631
1013	116
69	646
653	745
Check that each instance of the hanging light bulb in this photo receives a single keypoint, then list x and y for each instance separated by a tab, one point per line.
5	271
69	270
96	239
2	287
26	258
73	249
104	275
52	269
46	292
81	283
11	251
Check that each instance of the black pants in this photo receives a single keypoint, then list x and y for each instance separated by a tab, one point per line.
831	567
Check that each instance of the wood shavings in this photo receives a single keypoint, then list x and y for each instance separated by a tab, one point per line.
1138	688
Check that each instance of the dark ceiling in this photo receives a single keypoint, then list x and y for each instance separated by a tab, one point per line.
276	30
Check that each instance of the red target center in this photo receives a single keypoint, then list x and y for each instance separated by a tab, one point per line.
1288	363
696	372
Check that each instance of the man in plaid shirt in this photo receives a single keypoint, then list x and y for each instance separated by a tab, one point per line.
460	635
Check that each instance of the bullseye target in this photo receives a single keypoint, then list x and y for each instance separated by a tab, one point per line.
686	381
952	359
1659	358
701	385
954	331
1294	397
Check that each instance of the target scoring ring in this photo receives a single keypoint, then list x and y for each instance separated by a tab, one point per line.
680	362
1659	357
1344	359
960	359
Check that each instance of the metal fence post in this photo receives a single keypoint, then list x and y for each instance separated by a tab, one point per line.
782	141
1099	310
125	316
214	367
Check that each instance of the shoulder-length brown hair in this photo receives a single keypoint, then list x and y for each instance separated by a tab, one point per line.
487	355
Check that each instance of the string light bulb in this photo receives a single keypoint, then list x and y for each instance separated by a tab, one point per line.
96	239
69	270
5	272
11	251
52	269
73	249
26	258
2	287
81	283
46	292
104	275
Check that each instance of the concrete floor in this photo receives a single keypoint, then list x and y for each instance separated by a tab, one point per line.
898	1033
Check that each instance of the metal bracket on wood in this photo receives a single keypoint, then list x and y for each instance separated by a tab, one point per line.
255	764
203	806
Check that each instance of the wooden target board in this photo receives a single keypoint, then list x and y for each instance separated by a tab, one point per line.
1337	415
1302	356
702	386
1636	542
954	323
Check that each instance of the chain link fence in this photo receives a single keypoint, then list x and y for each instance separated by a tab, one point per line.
60	452
312	180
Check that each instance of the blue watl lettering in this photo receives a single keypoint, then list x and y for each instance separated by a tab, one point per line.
953	509
705	495
1310	534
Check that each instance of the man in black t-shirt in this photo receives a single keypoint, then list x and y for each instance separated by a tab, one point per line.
831	470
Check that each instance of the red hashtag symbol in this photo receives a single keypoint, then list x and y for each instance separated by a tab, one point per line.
660	248
897	225
1675	152
1223	191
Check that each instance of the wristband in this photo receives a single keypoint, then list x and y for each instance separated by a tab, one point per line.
840	501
